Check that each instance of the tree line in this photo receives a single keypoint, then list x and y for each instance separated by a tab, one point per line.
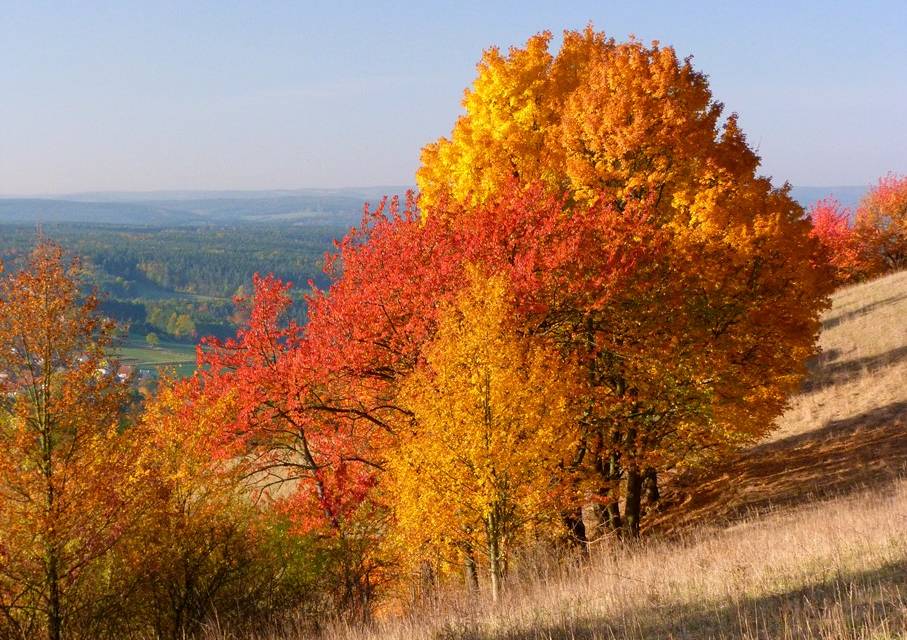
179	282
870	241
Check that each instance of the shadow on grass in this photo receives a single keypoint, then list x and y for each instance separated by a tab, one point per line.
867	451
826	373
862	605
861	311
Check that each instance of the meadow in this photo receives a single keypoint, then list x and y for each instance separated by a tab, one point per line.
175	357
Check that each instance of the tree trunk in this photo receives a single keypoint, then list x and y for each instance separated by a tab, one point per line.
426	579
495	567
51	555
576	528
650	487
632	503
614	520
593	516
471	573
54	612
613	507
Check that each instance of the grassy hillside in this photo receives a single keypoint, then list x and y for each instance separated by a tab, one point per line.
804	536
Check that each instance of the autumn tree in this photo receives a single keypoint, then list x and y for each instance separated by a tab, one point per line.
699	353
599	115
290	438
844	247
318	408
368	331
205	546
881	223
867	242
314	407
477	463
64	481
672	288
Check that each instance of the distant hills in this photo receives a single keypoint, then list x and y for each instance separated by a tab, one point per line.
35	210
184	208
342	207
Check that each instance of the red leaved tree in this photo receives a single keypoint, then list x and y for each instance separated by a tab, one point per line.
833	227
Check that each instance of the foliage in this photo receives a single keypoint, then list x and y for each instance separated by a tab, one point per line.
178	282
698	351
65	480
268	372
635	239
149	262
870	242
205	547
319	409
844	249
624	118
115	524
594	287
477	463
881	220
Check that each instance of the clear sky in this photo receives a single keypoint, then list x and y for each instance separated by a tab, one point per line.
248	95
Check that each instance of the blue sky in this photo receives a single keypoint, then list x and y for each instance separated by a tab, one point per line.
230	95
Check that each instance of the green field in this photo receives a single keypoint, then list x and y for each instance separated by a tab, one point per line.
166	356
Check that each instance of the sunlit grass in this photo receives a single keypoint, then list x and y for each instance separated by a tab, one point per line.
176	356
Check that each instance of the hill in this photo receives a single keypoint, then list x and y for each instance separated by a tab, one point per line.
44	210
172	208
800	537
288	206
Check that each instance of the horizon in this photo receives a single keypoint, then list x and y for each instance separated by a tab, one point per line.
179	193
274	97
225	190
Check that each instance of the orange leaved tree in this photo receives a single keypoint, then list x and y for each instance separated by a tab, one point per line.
881	221
64	481
206	547
698	352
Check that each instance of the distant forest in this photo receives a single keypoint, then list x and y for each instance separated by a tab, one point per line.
171	263
179	282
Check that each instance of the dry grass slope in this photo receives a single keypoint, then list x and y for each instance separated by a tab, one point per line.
804	536
845	433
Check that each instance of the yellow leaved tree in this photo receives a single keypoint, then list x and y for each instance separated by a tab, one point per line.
474	470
